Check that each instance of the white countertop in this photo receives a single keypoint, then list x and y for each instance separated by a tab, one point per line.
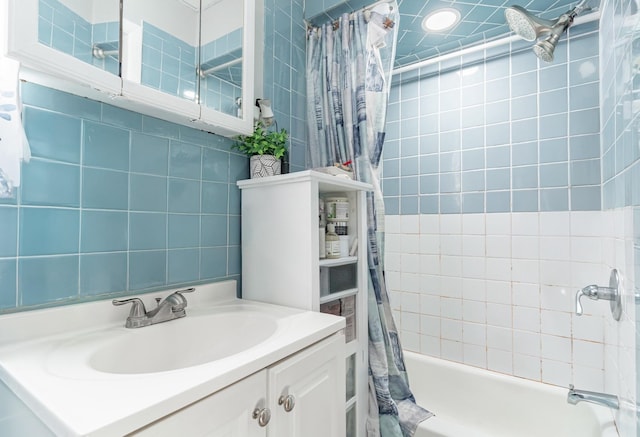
74	399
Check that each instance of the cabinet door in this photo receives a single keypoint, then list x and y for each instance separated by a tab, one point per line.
76	43
311	385
227	413
160	56
190	61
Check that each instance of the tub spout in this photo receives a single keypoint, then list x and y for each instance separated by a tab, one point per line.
574	396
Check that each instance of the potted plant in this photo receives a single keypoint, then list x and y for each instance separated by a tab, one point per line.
265	149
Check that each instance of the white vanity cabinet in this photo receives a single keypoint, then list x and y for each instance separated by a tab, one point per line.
281	263
306	392
228	413
296	397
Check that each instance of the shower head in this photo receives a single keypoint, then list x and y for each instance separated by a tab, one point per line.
544	49
526	25
529	27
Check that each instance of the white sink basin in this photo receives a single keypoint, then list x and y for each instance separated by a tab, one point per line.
199	338
181	343
84	374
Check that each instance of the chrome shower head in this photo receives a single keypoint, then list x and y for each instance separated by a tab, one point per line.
529	27
526	25
544	49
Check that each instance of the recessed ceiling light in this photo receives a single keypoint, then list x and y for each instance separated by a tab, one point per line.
441	19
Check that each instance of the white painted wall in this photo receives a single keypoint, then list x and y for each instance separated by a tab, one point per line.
105	11
172	16
95	11
81	7
220	19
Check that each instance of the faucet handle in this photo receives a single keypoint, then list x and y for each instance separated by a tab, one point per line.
579	294
612	293
137	310
178	301
591	291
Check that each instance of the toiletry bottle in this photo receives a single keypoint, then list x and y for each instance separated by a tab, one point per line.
332	242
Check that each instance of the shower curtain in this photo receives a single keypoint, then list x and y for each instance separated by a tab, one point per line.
349	66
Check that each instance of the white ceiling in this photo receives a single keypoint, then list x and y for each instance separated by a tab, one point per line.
195	4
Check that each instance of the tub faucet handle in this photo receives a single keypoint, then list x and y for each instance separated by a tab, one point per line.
591	291
579	310
611	293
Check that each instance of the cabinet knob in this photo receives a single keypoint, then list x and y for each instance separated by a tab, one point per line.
263	415
288	402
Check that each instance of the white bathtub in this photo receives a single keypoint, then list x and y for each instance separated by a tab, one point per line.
472	402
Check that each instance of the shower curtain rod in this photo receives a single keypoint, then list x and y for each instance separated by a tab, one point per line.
488	45
336	23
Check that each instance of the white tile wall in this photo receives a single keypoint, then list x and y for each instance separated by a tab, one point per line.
497	291
620	337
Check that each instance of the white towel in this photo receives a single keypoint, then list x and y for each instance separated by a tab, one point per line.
14	147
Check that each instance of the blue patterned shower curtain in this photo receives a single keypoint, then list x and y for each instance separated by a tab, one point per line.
349	65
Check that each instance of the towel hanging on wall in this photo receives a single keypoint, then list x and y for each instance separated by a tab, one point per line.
14	147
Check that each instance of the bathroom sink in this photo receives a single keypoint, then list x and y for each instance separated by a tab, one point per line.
182	343
201	337
85	374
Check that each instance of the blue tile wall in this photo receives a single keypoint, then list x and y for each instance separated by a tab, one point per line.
619	130
220	90
168	63
64	30
220	94
620	120
223	46
284	73
107	36
115	203
506	134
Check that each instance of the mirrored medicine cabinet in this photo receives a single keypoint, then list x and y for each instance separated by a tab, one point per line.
186	61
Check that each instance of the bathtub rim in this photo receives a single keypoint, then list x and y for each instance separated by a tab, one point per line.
603	415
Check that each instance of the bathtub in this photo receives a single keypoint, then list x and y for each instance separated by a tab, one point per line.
472	402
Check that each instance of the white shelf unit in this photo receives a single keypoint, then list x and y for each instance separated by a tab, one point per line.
281	264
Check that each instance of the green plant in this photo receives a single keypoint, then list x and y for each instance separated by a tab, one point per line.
263	142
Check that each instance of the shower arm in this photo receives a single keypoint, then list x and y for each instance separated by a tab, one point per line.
565	21
568	17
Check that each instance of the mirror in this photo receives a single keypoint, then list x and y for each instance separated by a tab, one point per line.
148	56
88	30
221	55
160	45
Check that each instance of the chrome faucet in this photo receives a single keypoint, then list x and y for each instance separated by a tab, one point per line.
172	307
612	293
574	396
594	292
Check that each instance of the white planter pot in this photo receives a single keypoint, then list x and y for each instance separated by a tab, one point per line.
263	165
